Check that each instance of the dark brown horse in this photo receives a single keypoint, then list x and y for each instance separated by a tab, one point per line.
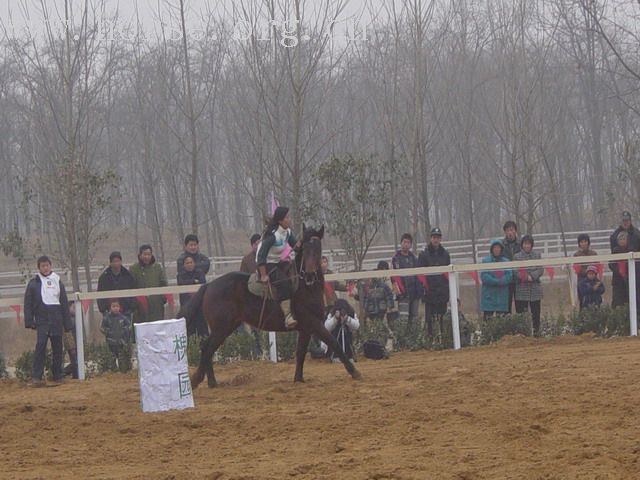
226	302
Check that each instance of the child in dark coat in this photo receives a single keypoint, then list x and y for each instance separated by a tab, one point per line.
590	288
116	328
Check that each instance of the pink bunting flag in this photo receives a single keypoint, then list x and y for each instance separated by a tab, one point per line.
17	309
170	299
500	274
350	287
423	280
85	305
622	268
551	272
600	267
397	281
522	275
475	277
142	301
328	289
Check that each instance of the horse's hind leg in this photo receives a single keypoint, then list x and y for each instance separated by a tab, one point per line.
332	343
301	352
207	349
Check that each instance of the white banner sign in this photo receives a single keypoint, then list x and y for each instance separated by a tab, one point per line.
163	370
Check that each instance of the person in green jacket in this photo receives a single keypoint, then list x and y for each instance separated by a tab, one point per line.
495	283
146	274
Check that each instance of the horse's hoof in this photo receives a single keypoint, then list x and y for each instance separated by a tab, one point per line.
356	375
298	380
212	384
196	379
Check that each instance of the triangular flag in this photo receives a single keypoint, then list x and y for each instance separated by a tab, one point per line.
17	309
170	299
328	290
446	275
522	275
500	273
85	305
350	287
475	277
142	301
551	272
600	267
622	268
423	280
397	281
577	268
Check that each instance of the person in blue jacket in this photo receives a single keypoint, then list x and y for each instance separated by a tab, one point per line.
495	283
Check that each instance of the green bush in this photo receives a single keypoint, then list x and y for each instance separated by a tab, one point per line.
193	350
24	365
3	368
286	344
99	359
603	321
498	326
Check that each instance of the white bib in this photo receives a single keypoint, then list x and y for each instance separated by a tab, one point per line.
50	289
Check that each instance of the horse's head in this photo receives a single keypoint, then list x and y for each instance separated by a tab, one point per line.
311	254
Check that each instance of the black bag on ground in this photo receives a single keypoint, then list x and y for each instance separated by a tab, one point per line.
374	350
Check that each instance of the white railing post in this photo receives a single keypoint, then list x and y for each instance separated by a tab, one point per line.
273	349
453	300
633	308
79	337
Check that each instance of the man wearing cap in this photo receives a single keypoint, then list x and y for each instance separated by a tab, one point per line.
116	277
248	264
633	240
437	286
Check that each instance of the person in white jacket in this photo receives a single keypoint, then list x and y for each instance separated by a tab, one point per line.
342	321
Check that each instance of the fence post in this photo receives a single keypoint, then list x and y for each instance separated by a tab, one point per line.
273	349
453	300
633	308
79	336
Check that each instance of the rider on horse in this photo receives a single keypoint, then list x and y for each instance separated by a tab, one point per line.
274	269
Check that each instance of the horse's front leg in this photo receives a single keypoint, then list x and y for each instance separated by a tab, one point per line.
301	352
324	335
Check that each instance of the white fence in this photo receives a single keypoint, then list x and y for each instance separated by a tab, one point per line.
453	272
549	244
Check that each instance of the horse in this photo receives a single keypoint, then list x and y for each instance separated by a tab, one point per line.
226	302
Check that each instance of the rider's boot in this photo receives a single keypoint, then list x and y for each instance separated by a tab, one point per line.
289	321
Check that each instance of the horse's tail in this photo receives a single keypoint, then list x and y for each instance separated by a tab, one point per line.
193	306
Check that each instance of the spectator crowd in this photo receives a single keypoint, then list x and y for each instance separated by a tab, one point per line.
384	301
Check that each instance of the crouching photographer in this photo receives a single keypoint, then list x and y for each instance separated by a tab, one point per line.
342	321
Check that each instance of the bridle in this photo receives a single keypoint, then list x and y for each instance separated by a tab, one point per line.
309	278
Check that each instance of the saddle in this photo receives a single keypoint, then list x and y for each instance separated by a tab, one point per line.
283	282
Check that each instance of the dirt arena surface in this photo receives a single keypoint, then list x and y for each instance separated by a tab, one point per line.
563	408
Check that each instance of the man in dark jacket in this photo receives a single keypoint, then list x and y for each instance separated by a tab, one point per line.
408	289
511	245
192	247
633	235
46	310
437	294
116	277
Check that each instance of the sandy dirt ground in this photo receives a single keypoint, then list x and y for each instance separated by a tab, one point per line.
562	408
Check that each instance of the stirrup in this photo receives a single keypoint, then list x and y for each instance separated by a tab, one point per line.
289	322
